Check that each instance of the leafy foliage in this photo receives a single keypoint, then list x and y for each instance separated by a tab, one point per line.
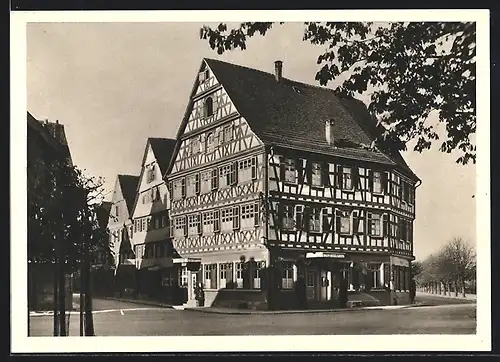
410	70
62	204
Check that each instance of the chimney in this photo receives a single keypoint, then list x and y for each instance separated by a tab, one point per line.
329	132
278	70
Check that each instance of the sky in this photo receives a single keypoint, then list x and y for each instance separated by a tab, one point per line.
113	85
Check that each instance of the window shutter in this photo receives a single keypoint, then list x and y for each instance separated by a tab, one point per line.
386	224
215	179
386	182
325	174
325	223
197	183
199	224
216	221
369	224
308	171
183	187
338	176
254	168
410	231
301	171
280	215
299	216
355	178
282	169
220	135
185	225
234	173
305	218
256	214
171	229
337	221
355	222
216	139
370	180
236	217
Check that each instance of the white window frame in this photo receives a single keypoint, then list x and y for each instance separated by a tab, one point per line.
315	220
347	183
191	186
193	224
288	217
378	187
224	173
226	219
290	171
210	142
179	223
373	227
287	275
228	133
239	271
345	215
177	189
316	174
206	182
208	222
245	170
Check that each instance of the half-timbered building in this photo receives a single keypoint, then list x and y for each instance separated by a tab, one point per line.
275	182
121	231
150	220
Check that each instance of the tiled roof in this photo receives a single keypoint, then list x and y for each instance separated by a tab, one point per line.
293	114
163	148
103	211
128	185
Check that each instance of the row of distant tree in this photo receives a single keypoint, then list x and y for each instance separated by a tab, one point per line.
451	270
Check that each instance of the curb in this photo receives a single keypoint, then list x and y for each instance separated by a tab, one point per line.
208	310
143	302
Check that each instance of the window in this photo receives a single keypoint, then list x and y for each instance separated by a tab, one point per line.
290	174
210	146
144	222
343	222
226	275
150	172
316	174
299	217
225	176
315	220
239	275
206	177
158	251
194	227
179	225
346	178
139	251
287	275
228	133
177	185
183	277
210	271
395	230
288	222
194	145
164	221
157	221
375	224
208	222
191	185
256	275
216	221
375	276
245	170
249	216
227	219
215	179
377	182
208	107
204	75
117	210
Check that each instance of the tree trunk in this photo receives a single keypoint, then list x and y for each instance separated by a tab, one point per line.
89	325
55	295
82	301
62	297
463	287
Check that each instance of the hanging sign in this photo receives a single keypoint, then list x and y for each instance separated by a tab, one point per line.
321	254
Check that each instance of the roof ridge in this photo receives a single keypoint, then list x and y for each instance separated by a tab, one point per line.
271	74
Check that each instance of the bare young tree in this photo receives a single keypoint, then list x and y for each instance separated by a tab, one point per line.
459	258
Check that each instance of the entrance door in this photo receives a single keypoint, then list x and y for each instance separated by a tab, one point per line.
311	284
194	281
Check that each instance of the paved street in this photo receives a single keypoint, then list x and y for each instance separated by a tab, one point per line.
113	318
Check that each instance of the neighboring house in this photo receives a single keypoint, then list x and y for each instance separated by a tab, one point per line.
151	241
121	231
274	180
102	267
46	145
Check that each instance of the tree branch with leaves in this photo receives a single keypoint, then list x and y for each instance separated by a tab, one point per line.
409	70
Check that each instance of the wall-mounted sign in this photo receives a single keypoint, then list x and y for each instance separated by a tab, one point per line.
400	261
321	254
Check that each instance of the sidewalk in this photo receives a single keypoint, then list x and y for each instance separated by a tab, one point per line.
452	296
249	311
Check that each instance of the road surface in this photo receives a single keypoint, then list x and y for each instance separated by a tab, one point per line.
114	318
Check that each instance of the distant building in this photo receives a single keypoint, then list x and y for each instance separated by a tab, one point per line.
121	231
149	230
273	182
46	145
